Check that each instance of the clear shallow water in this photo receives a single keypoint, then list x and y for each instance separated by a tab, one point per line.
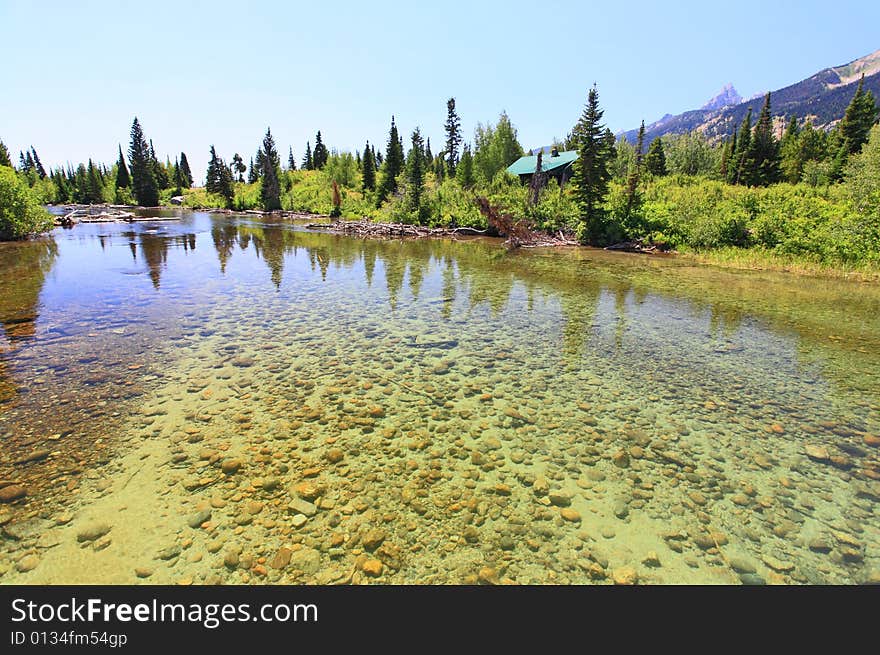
227	399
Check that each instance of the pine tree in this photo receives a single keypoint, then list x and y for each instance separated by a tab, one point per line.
761	166
742	148
308	160
369	169
178	178
377	157
270	190
633	200
38	166
655	160
27	161
291	162
453	136
253	175
465	172
123	180
393	165
218	179
860	116
591	173
319	154
238	166
185	172
429	157
4	155
159	172
143	180
93	191
415	177
726	156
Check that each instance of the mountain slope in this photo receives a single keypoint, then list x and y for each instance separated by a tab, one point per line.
823	98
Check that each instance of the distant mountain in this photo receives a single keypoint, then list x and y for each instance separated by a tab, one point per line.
726	98
822	98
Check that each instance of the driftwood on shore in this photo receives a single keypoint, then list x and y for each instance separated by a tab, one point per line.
392	230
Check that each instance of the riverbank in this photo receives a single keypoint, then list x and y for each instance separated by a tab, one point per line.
754	259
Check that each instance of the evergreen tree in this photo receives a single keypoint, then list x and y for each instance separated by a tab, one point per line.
465	172
38	166
94	192
732	162
369	169
4	155
319	154
591	173
453	136
415	177
860	115
308	161
742	147
178	179
219	178
377	157
159	172
429	157
27	161
238	166
726	156
253	175
143	180
291	162
185	172
393	165
761	166
270	190
123	180
633	200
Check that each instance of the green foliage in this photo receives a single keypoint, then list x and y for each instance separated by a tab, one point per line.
496	148
415	178
270	169
123	180
591	172
465	172
690	154
655	161
392	166
308	160
863	179
742	148
453	136
320	154
21	215
185	172
4	156
143	180
218	179
760	166
369	169
342	169
860	115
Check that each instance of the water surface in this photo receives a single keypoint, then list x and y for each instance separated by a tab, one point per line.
230	399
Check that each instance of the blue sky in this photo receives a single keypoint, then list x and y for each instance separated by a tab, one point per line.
197	73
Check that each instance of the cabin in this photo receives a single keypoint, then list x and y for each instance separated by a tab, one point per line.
553	164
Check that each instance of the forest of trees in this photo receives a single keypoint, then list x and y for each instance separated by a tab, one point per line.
779	185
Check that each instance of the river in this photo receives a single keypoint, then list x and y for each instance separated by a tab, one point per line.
231	399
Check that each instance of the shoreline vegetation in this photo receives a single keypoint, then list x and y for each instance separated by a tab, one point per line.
778	194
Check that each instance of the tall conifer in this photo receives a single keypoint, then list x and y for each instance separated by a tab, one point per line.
453	136
591	171
143	180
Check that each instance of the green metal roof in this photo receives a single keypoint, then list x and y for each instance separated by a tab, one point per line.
526	165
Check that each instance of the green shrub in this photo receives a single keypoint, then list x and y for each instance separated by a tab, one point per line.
21	214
